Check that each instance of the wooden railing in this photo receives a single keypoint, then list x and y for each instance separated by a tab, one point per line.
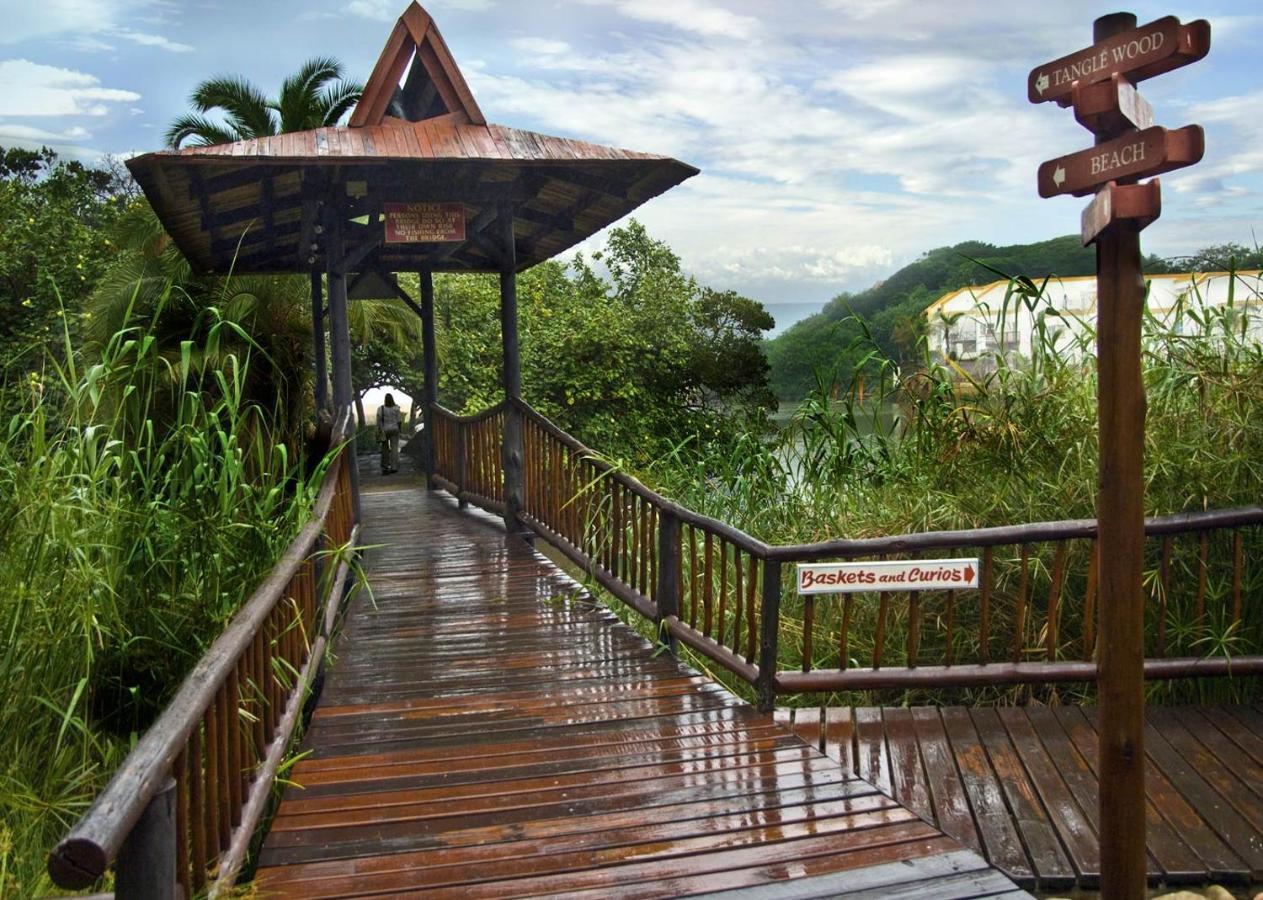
183	806
467	455
1032	619
730	597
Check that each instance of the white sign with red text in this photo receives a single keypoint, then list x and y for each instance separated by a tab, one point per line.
901	575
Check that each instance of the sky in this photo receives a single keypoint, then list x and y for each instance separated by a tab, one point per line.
838	139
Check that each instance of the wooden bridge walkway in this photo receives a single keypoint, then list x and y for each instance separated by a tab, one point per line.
487	730
1019	785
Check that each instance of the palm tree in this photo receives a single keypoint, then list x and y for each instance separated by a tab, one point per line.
315	96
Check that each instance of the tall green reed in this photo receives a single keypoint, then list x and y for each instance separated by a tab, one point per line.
1012	442
141	498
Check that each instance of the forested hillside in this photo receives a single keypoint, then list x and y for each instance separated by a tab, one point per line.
831	340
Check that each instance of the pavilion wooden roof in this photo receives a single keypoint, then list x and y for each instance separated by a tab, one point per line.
255	205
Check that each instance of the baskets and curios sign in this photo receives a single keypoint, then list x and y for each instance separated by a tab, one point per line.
424	223
909	575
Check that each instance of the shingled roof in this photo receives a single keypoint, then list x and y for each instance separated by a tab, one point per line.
254	205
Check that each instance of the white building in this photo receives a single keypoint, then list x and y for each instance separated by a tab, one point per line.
973	324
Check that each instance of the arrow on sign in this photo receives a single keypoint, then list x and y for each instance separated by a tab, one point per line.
1059	176
969	573
1041	84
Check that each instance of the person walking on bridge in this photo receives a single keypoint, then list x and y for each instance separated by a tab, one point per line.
388	421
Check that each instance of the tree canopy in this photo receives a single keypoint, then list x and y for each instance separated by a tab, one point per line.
624	349
55	217
833	341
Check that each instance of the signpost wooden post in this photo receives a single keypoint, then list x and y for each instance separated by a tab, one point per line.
1099	82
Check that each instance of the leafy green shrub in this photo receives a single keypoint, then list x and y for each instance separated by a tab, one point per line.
135	516
941	450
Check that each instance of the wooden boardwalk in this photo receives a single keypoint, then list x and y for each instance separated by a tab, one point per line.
488	731
1019	784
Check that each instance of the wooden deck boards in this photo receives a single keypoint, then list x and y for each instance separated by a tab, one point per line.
1019	784
488	731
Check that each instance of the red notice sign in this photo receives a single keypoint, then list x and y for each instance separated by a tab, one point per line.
1137	154
424	223
1141	53
863	577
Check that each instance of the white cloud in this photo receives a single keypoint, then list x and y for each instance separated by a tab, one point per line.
25	133
389	10
697	16
540	46
24	21
153	40
86	24
33	89
381	10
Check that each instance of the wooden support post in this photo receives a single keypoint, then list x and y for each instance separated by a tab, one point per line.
1120	511
769	628
146	863
319	351
667	590
511	451
430	369
340	335
462	462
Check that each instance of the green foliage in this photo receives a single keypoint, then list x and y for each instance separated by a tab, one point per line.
134	519
386	347
832	342
632	362
1228	257
941	451
54	221
149	281
316	95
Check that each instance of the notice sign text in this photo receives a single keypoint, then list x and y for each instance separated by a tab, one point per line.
424	223
910	575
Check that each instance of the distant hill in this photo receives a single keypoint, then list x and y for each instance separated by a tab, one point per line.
828	341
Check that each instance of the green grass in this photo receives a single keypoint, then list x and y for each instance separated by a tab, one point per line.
1012	446
141	500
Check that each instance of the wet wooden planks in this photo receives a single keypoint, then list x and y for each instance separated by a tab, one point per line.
1019	784
488	731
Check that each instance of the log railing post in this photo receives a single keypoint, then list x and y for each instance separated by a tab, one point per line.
319	350
339	330
667	590
146	867
511	446
769	626
462	463
430	366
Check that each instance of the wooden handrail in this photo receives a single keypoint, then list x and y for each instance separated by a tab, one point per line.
480	416
93	844
699	577
747	542
1033	533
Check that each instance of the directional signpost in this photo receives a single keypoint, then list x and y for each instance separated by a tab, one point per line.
1135	154
1099	82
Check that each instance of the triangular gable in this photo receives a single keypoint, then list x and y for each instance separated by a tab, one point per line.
435	85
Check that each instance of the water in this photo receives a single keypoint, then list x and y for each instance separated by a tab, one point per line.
786	314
